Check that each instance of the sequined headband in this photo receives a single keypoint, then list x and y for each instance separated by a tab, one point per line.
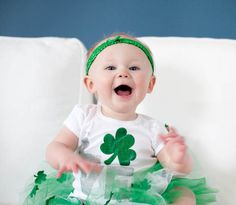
117	40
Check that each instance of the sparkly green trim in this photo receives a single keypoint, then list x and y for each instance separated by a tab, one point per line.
117	40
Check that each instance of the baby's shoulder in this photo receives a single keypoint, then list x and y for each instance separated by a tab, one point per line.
152	123
87	110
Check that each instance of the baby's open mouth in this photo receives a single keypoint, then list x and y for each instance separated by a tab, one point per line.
123	90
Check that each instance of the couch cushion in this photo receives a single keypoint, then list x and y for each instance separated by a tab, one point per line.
195	92
40	82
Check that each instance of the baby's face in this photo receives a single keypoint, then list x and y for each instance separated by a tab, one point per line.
120	76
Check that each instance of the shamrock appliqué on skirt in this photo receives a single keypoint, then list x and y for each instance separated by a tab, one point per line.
119	146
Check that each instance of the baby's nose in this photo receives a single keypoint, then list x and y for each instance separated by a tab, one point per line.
123	75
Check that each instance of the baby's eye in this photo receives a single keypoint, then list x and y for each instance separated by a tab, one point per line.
110	67
134	68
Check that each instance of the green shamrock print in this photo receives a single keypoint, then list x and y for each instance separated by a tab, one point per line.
40	177
119	146
34	190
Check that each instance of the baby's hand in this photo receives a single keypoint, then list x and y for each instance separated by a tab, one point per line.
175	146
74	163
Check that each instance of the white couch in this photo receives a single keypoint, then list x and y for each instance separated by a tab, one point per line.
39	84
40	81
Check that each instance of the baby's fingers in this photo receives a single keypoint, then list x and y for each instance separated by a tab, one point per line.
87	166
61	171
96	167
75	168
170	137
171	129
178	140
84	167
167	137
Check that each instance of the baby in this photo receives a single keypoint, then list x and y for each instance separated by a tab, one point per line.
110	135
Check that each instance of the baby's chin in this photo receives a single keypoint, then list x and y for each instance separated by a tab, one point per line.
128	112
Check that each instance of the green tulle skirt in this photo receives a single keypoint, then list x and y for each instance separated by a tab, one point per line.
152	186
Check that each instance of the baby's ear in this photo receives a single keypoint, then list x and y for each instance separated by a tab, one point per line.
152	82
89	84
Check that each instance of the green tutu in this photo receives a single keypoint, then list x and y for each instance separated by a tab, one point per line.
152	186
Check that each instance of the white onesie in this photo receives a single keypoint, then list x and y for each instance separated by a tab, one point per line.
91	126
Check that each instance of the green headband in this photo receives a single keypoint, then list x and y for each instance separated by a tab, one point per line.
114	41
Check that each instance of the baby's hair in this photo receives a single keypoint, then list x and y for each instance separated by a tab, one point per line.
122	34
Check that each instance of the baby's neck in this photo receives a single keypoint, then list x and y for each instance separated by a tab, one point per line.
119	115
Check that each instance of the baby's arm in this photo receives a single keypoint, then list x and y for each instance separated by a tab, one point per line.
174	154
61	155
